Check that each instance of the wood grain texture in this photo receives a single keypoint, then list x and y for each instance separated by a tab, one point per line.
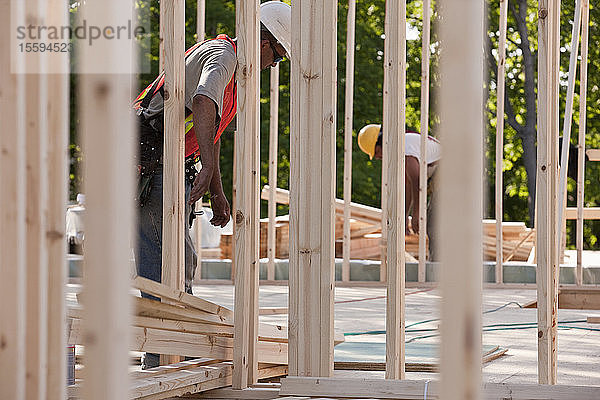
12	210
246	211
547	170
461	102
348	113
108	136
394	101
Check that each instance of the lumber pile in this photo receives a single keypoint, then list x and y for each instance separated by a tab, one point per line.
282	247
188	326
517	240
187	377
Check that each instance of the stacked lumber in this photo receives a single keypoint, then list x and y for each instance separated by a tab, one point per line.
187	377
517	240
188	326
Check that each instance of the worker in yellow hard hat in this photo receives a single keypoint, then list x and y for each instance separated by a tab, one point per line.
370	141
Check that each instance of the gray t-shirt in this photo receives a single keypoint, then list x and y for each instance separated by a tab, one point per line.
208	70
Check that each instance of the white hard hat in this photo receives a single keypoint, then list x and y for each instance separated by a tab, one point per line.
276	16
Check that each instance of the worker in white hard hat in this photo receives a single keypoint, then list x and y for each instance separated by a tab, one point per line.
211	100
370	141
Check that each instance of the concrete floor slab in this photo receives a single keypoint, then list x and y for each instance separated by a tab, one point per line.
363	309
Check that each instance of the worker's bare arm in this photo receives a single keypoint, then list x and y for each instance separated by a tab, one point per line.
412	190
219	203
204	110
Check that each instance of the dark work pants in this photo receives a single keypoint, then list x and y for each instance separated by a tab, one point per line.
148	256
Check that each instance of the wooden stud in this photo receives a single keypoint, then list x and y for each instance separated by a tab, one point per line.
174	224
200	32
425	50
585	21
394	100
567	121
348	115
546	248
500	97
36	166
107	129
461	104
174	219
58	178
246	257
295	291
12	206
312	186
273	147
200	20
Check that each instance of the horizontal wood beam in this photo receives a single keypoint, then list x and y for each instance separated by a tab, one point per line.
410	390
189	344
588	213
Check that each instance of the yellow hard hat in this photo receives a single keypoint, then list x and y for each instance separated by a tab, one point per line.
367	138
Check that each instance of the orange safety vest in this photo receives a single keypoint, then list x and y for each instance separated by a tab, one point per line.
227	113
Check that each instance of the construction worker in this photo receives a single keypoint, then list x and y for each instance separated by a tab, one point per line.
370	141
210	100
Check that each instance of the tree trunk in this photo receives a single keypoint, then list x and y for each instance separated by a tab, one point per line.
528	139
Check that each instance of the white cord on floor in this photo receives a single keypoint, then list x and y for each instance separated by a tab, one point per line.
425	391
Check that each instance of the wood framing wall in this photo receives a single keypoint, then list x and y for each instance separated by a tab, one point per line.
108	143
312	182
394	101
246	196
461	131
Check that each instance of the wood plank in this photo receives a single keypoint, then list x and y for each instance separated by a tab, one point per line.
312	181
153	308
172	27
183	298
273	150
394	100
500	97
200	20
461	101
585	21
593	154
587	213
247	199
425	55
593	320
12	204
108	143
547	167
58	156
348	113
567	122
250	393
36	167
411	390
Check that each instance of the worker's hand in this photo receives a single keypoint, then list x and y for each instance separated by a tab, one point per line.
415	224
201	184
221	210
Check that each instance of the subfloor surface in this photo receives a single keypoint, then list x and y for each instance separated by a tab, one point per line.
362	310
